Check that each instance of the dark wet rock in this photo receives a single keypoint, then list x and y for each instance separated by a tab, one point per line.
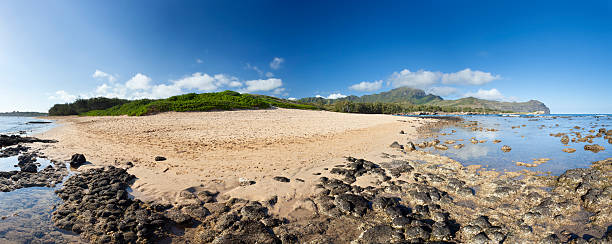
96	204
352	204
77	160
254	212
380	234
565	140
410	147
29	167
396	145
417	232
480	238
593	148
160	158
13	151
196	211
6	141
281	179
551	239
397	167
248	232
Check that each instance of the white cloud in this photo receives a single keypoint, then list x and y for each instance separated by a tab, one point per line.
418	79
442	90
98	74
199	61
367	86
63	96
336	96
333	96
139	82
276	63
492	94
269	74
469	77
423	78
278	91
292	99
261	85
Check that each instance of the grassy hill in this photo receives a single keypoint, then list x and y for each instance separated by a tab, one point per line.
227	100
408	96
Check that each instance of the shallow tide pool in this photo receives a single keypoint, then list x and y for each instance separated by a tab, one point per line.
530	139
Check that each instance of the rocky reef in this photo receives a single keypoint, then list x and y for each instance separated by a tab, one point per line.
409	202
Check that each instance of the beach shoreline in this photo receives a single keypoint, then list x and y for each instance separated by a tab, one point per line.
214	150
306	174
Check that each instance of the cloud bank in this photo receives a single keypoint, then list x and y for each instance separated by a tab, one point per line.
424	78
365	86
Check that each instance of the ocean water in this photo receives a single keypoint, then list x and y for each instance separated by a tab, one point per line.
25	214
19	125
530	139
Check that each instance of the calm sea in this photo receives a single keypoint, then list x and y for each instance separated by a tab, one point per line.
529	137
26	213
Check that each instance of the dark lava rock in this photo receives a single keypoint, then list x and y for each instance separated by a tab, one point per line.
95	203
77	160
11	140
396	145
281	179
380	234
29	167
593	148
160	158
353	204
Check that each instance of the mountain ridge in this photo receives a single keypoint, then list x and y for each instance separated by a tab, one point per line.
406	95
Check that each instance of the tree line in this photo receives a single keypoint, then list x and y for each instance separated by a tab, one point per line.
85	105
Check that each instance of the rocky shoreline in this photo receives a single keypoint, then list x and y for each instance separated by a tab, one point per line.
413	203
406	197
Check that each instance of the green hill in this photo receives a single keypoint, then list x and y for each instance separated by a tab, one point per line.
519	107
410	96
227	100
398	95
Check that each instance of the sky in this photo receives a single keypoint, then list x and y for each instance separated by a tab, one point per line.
557	52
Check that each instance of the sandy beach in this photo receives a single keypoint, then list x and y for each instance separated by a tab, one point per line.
213	150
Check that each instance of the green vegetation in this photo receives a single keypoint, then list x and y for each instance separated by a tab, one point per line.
84	105
397	108
227	100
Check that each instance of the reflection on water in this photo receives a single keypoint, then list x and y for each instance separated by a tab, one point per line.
25	214
26	217
530	139
10	163
472	152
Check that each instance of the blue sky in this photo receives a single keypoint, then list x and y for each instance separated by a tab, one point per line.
558	52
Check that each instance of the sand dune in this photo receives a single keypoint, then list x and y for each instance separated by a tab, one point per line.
213	150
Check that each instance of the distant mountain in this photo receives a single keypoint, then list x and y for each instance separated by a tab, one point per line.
23	114
405	95
397	95
518	107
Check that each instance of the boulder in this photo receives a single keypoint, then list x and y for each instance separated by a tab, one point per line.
506	148
77	160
